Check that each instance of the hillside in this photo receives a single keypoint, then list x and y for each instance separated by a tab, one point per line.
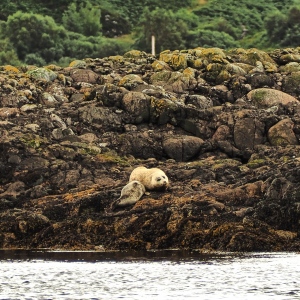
39	32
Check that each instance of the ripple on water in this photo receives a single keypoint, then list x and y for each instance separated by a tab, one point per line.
262	276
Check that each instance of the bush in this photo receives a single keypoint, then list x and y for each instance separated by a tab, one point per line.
34	59
284	29
209	38
9	57
84	19
30	33
80	46
65	61
7	54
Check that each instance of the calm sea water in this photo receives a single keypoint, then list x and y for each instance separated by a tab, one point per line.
151	275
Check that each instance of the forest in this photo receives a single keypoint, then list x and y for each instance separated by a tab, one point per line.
57	31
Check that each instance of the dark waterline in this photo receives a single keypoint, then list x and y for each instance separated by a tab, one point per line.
155	255
95	256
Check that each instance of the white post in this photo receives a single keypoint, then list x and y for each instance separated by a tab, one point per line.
153	44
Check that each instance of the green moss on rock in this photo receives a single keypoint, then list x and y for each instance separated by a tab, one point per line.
42	74
256	163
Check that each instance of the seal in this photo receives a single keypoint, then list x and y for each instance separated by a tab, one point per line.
130	194
152	179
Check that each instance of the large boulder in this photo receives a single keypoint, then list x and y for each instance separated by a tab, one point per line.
101	117
291	84
138	106
84	75
42	74
182	148
131	81
266	98
282	134
174	59
252	56
248	132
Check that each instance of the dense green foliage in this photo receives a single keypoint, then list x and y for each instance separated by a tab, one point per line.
283	29
56	31
168	30
33	33
84	19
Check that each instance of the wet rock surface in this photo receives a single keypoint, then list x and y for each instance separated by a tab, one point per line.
223	125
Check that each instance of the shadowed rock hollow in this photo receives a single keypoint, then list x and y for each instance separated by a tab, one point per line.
223	125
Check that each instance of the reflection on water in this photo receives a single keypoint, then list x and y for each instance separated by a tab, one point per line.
148	275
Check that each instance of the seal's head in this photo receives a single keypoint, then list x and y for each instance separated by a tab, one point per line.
159	180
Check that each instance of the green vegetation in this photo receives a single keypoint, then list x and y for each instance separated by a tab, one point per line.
84	19
43	32
31	33
168	29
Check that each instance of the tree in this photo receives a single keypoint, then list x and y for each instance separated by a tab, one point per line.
31	33
169	31
284	29
276	24
84	19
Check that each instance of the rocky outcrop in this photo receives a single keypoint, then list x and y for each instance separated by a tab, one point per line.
223	125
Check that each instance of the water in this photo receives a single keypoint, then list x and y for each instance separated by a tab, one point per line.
151	275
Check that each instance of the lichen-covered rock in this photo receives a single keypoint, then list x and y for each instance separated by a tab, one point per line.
48	100
290	57
110	94
42	74
131	81
282	134
163	111
101	117
266	98
135	54
160	77
251	56
212	55
77	63
10	69
197	63
176	61
85	75
138	106
215	73
199	101
290	67
159	65
143	145
291	84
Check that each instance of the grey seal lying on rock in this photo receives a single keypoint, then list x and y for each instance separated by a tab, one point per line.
130	194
